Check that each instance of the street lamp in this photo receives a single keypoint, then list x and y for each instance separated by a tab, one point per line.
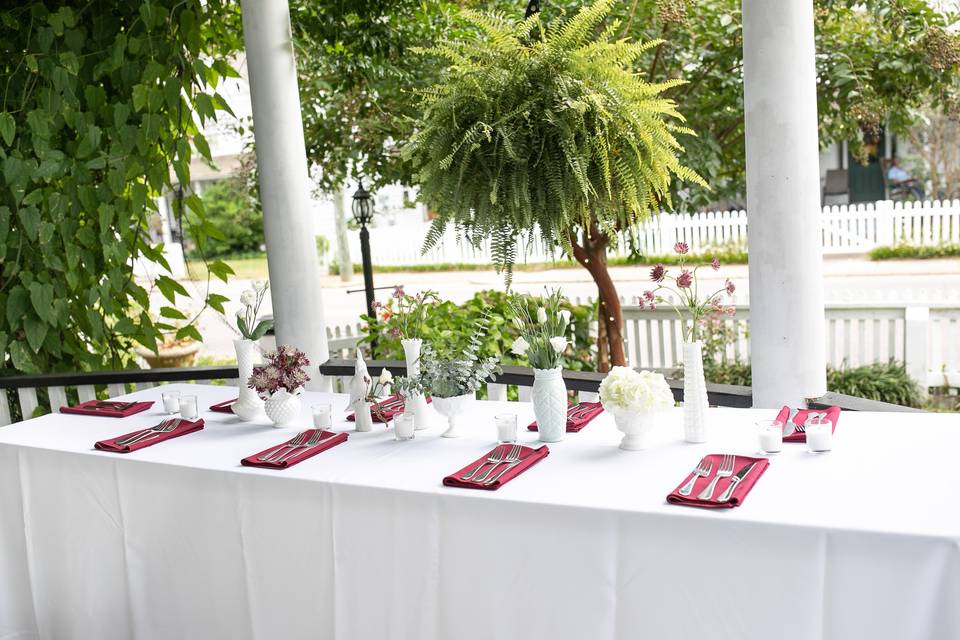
363	214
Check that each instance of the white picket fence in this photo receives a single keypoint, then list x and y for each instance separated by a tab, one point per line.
846	229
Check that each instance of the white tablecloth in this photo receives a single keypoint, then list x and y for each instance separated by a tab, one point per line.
179	541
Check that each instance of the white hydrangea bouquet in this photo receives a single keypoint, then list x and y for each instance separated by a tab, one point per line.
635	398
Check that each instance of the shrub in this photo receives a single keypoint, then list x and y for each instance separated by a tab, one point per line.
238	217
912	252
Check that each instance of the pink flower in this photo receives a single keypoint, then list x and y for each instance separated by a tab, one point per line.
395	332
715	263
650	296
398	292
658	273
730	287
731	311
681	248
641	302
685	279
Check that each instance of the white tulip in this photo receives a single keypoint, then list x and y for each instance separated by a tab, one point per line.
386	376
559	343
260	285
520	346
248	298
541	315
518	323
565	314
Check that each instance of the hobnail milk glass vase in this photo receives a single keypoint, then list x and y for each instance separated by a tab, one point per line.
248	406
694	393
549	397
283	408
453	409
414	403
636	429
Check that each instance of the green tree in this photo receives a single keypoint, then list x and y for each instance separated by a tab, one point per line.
544	133
98	102
230	208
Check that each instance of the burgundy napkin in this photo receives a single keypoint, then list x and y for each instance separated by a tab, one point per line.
739	494
388	408
224	407
330	439
185	427
108	408
833	414
528	458
587	410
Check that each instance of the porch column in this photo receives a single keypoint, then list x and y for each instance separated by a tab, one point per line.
788	357
284	181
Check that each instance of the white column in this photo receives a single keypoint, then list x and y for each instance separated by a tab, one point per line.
284	181
783	203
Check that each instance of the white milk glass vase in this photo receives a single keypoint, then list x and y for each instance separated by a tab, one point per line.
248	406
363	419
283	408
636	428
414	402
549	397
694	393
453	409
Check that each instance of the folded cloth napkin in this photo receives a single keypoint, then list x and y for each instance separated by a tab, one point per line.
385	410
329	439
528	457
108	408
833	414
183	428
739	493
223	407
578	416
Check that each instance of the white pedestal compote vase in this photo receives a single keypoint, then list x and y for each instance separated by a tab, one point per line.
283	408
414	402
549	397
636	428
453	409
248	406
694	393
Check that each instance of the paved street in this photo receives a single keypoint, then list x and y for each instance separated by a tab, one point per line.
845	280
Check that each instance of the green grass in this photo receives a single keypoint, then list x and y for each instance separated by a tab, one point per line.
912	252
244	268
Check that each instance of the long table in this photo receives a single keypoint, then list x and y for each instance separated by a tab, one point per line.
179	541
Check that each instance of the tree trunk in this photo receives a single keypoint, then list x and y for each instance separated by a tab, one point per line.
591	252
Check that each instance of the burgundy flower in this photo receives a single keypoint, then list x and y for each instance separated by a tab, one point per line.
653	307
641	302
685	279
398	292
650	296
395	332
730	287
715	263
681	248
658	273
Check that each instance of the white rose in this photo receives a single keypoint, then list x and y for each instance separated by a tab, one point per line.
541	315
520	346
559	343
260	285
248	298
386	376
565	314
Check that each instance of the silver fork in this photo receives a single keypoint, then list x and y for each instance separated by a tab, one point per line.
314	441
724	471
512	460
513	451
136	437
494	458
299	439
702	471
579	412
810	416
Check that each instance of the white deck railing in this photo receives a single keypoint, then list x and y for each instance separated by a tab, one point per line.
853	229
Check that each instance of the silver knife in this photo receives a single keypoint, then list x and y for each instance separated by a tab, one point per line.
789	426
735	480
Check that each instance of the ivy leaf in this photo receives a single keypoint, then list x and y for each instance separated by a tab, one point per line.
17	303
220	269
170	312
189	331
8	128
215	300
170	288
30	218
41	297
36	331
21	358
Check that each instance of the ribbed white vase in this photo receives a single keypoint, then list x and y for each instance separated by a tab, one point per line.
694	393
549	397
248	406
415	403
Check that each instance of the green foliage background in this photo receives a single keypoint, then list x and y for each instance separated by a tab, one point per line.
98	104
230	208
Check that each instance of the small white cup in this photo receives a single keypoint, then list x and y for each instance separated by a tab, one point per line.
404	426
770	434
188	407
322	416
819	435
506	427
171	402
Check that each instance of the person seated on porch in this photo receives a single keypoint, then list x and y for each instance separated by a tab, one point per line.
899	177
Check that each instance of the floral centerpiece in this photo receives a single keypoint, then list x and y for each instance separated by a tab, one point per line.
693	310
452	378
249	405
542	340
408	314
634	398
280	382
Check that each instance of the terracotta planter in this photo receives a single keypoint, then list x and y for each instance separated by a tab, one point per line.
171	357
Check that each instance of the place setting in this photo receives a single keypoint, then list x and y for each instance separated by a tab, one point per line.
579	415
188	421
108	408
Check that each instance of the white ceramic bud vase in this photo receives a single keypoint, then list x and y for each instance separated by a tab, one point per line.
283	408
636	429
248	406
414	403
453	409
363	419
694	393
549	397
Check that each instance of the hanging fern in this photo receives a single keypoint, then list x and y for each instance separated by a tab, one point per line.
545	127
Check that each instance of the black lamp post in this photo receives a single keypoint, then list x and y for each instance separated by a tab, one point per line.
363	214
